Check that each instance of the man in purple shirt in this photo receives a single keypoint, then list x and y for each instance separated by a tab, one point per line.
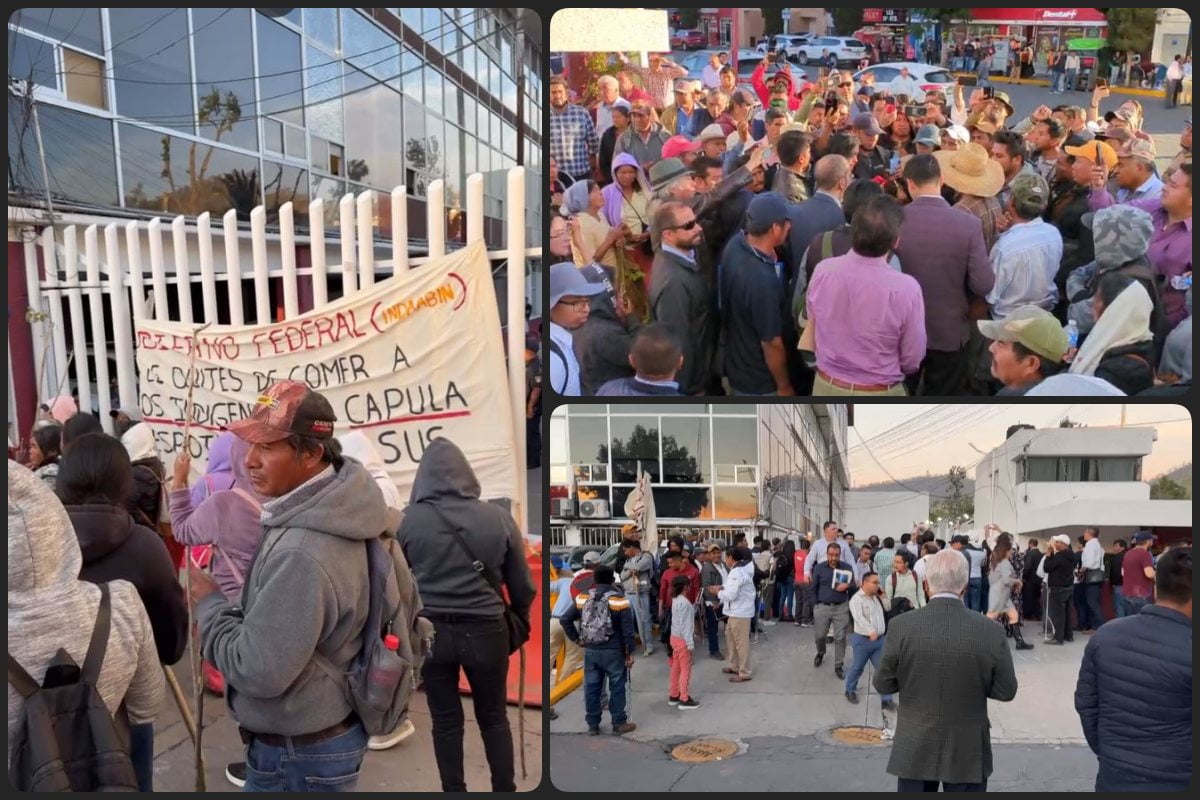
869	319
1170	250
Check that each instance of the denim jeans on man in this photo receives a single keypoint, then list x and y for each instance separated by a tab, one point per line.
1135	604
328	766
479	648
710	629
1071	73
975	594
1091	595
641	616
864	650
1118	602
600	666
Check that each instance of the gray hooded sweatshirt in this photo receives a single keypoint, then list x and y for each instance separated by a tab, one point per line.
448	584
306	594
50	608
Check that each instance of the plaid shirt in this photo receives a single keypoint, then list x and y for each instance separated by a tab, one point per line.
987	209
572	139
661	83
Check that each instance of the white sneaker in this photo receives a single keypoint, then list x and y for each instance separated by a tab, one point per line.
392	739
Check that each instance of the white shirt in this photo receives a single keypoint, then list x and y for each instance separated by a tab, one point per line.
710	78
1187	69
908	86
861	568
1174	71
818	555
1072	61
1093	555
975	559
919	570
1025	259
867	613
564	378
737	592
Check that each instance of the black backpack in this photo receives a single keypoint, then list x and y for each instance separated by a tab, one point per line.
66	739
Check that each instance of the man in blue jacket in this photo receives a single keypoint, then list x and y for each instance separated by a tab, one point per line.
606	659
1134	695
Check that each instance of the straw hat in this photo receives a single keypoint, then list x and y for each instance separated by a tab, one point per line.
970	170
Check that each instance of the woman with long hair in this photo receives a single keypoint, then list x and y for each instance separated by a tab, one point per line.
592	239
900	136
1002	581
45	450
785	582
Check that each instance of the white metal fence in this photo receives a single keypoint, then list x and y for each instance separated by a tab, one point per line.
112	277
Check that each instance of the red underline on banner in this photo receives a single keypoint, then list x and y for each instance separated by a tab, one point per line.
413	418
179	424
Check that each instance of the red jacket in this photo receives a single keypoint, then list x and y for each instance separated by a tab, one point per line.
764	91
693	590
799	559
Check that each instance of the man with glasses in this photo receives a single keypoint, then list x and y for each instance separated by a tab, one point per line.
680	294
868	626
569	307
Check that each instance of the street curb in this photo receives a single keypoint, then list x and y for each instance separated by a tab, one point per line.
1161	94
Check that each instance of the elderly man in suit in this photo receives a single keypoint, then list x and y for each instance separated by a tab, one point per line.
943	248
945	662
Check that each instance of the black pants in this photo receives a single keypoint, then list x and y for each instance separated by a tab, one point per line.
1058	611
1031	599
942	374
908	785
480	648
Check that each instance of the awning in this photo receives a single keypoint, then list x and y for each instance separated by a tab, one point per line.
1037	16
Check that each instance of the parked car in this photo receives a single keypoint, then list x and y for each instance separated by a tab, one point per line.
845	49
930	77
695	62
786	42
692	39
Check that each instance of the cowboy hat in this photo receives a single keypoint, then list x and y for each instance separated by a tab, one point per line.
970	170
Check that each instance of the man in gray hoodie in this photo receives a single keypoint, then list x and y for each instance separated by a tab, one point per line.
637	579
285	652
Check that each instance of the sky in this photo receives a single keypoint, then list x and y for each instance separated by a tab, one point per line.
937	437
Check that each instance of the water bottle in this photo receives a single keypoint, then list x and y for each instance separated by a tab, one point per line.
1181	282
385	674
1072	331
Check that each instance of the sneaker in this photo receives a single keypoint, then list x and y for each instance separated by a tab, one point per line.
623	728
691	702
672	701
768	622
235	773
754	638
852	697
840	674
888	705
806	624
402	732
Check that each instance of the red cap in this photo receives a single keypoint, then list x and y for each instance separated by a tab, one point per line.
678	145
391	641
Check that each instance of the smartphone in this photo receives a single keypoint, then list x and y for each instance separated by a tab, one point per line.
914	111
961	80
1101	83
988	92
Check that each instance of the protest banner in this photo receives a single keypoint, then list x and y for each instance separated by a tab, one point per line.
412	358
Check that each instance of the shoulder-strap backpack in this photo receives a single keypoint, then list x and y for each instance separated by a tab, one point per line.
67	740
558	351
596	625
395	641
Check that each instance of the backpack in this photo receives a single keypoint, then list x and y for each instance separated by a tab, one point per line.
67	741
596	625
380	681
558	351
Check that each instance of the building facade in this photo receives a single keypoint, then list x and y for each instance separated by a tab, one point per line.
1172	35
1059	480
714	468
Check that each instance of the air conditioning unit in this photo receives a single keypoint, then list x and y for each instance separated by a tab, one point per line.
593	509
563	508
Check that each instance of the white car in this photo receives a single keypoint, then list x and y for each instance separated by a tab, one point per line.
929	77
847	50
787	42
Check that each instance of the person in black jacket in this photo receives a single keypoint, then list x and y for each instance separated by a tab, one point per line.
145	502
1031	582
1059	566
602	344
446	528
1113	562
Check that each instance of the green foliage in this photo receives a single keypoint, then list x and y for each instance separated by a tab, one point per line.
689	18
1130	29
957	504
772	21
847	20
1164	488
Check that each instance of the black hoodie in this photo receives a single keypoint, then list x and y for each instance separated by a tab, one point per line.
116	548
448	584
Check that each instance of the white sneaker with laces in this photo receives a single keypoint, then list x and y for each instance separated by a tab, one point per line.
392	739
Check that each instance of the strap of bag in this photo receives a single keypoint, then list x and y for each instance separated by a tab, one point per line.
477	565
99	642
19	679
556	350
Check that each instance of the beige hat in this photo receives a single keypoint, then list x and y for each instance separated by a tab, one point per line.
1141	149
713	131
970	170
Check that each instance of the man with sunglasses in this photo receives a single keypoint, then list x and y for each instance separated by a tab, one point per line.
680	293
569	306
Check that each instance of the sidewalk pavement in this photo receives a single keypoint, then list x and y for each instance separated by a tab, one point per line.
408	767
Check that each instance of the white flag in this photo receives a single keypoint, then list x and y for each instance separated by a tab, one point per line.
639	507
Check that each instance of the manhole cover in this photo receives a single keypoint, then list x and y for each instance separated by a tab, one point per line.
701	750
858	735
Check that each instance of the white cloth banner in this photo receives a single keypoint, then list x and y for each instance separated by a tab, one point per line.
413	358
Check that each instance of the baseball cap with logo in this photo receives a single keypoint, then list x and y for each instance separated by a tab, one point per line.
1095	151
1033	328
1141	149
286	408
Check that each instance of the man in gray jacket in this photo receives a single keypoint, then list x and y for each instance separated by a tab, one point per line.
637	579
681	295
285	652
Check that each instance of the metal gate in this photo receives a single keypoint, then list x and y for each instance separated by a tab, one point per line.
112	277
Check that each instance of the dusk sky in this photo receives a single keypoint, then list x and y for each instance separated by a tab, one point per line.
938	437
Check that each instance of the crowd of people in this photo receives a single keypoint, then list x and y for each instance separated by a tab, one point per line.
320	595
932	617
829	238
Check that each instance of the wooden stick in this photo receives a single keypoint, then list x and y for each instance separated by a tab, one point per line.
177	692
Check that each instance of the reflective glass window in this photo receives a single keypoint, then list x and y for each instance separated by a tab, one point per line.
280	74
411	81
151	65
78	27
323	90
284	184
369	47
634	440
433	89
685	450
373	126
31	59
224	66
321	26
414	138
330	191
79	156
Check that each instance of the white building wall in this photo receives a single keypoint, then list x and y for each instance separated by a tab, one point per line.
1171	35
884	513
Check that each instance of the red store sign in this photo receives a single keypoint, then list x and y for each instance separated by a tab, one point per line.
1046	16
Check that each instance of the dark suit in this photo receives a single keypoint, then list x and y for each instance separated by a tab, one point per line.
818	214
945	661
681	297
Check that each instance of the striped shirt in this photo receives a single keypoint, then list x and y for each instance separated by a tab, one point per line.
1025	260
659	83
987	210
572	139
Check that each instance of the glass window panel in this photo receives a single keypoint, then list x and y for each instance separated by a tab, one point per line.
285	184
329	190
508	90
468	61
79	27
224	90
280	73
321	25
319	148
1117	469
84	78
685	450
435	146
483	130
634	439
414	141
272	135
433	90
369	47
411	82
676	503
588	441
509	145
373	126
156	175
148	74
735	443
451	101
79	157
493	78
337	159
412	18
31	59
431	26
454	170
293	16
470	163
734	502
323	90
293	141
734	408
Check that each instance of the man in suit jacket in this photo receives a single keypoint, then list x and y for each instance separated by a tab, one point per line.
943	248
946	662
681	294
821	212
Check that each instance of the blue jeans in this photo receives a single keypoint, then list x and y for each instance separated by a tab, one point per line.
1091	594
710	627
975	594
328	766
141	753
641	616
784	591
864	650
1118	602
1134	605
1079	600
599	666
1071	73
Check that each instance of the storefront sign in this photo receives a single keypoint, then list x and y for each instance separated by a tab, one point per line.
872	15
894	16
